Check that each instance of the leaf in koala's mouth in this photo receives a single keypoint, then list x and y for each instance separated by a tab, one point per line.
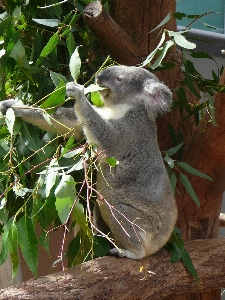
94	88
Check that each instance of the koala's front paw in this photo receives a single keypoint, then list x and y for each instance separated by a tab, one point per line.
4	105
75	90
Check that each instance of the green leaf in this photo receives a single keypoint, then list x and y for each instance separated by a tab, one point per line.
111	161
79	216
153	53
50	180
169	161
96	99
30	135
5	242
4	24
177	248
49	47
186	183
42	156
44	241
94	88
164	21
18	53
74	249
179	16
47	22
174	150
17	12
180	40
201	55
187	261
162	54
192	170
101	246
57	96
68	146
70	42
13	249
50	209
57	78
75	65
65	196
28	243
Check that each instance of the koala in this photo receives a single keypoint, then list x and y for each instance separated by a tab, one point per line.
135	201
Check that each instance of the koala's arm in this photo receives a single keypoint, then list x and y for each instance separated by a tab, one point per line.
95	127
63	121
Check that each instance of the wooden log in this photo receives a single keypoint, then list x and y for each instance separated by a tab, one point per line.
153	277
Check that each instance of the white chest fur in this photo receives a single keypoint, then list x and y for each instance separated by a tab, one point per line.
114	112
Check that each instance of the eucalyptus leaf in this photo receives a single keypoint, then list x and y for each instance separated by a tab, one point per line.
180	40
153	53
28	243
75	65
49	47
169	161
186	183
162	54
163	22
13	249
186	259
81	219
47	22
174	150
192	170
65	194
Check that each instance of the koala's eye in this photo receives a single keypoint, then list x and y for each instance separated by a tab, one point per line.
119	78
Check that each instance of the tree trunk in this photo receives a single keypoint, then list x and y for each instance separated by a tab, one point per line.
204	149
153	277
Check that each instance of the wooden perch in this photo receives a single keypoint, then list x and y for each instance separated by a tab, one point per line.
153	277
111	35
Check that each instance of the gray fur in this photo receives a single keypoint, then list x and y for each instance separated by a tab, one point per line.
138	188
62	120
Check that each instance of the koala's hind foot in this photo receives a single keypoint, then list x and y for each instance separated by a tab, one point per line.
126	253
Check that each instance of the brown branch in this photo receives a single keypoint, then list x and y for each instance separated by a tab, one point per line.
111	278
120	45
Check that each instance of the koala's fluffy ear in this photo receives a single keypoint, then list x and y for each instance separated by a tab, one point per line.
157	96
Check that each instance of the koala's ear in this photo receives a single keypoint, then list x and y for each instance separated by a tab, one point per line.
157	96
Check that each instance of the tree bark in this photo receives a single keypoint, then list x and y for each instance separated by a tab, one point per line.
153	277
111	35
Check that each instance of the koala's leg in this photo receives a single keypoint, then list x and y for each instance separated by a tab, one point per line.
129	238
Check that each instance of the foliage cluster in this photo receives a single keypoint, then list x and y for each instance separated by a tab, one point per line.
42	175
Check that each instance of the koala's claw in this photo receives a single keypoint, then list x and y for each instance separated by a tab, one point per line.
74	90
